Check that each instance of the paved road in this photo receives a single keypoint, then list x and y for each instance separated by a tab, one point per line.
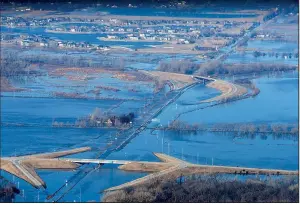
121	140
149	177
219	169
25	173
231	48
96	161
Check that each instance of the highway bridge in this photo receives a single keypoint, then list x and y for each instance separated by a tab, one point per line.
204	79
24	166
95	161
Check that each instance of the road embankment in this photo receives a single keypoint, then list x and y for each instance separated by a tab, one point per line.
228	91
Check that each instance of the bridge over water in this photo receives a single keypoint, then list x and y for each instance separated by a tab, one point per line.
24	166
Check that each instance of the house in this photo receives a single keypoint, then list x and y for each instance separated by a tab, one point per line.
71	44
150	31
25	43
109	122
133	38
181	40
101	47
111	37
261	36
60	44
59	29
113	20
44	44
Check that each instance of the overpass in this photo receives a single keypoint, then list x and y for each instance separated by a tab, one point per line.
204	79
95	161
171	167
24	167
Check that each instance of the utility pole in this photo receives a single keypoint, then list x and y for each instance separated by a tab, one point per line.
24	195
80	194
181	153
162	143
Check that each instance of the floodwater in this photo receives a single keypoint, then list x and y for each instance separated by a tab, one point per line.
202	147
277	46
246	58
169	12
47	86
277	102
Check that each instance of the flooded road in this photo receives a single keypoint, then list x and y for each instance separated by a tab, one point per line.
27	122
258	151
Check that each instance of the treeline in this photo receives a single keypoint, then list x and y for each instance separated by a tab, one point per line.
99	119
217	67
179	66
240	128
12	65
209	189
248	83
272	54
71	61
236	69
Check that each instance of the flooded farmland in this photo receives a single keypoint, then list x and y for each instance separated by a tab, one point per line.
64	89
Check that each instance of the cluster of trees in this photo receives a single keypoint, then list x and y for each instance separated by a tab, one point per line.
12	65
179	66
248	83
217	67
241	128
206	189
7	191
108	88
233	98
71	61
99	119
235	69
